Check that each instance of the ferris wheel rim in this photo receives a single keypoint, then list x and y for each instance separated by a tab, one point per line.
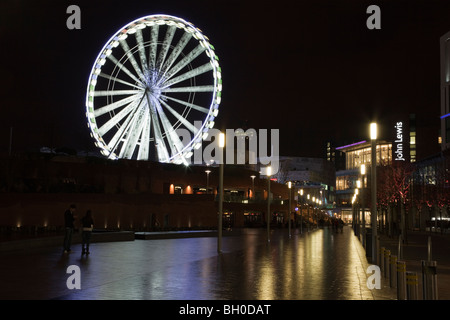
216	87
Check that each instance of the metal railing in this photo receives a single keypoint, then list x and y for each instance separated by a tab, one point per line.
406	282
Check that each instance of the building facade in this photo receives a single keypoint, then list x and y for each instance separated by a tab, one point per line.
315	176
356	155
445	91
35	190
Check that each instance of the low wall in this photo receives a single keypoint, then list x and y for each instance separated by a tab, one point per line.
57	241
110	211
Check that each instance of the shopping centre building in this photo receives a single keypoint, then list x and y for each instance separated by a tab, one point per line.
36	189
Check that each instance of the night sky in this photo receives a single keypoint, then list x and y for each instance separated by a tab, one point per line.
309	68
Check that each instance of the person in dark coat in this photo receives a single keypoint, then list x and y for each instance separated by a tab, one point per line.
69	218
87	224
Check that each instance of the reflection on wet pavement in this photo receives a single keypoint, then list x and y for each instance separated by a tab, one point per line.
318	265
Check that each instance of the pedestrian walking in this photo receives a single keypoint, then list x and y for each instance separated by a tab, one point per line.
87	224
341	225
69	218
335	225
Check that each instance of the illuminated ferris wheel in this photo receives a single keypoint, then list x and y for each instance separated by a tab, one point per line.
155	76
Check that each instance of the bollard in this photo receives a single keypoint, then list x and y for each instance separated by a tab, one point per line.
387	267
393	271
401	280
381	254
412	286
429	280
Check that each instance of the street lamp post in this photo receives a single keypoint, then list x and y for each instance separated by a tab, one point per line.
207	180
289	211
253	186
221	165
269	173
363	208
313	209
301	212
373	217
358	198
354	215
307	213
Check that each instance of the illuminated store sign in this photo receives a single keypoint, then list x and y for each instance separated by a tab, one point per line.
399	142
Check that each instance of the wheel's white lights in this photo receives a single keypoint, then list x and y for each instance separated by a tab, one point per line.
146	82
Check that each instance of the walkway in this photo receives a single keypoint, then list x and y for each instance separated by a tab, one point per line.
319	265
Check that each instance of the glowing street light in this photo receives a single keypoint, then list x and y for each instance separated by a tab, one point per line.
373	131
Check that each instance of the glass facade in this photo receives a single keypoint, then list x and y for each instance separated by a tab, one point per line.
349	181
344	182
355	158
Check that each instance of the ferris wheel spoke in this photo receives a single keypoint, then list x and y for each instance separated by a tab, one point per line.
179	117
190	89
145	138
153	46
131	58
140	42
161	149
187	104
112	106
133	133
117	118
114	143
185	61
176	51
165	46
125	69
115	79
175	143
115	93
192	73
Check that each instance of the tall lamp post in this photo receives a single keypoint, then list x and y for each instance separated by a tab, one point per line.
373	216
363	205
253	186
269	173
301	212
289	211
307	212
221	165
358	206
207	180
354	216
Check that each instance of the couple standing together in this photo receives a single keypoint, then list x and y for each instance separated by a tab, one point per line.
87	224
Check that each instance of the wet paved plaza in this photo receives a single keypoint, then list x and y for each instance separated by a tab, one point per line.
315	265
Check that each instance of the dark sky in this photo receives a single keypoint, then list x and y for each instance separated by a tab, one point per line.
309	68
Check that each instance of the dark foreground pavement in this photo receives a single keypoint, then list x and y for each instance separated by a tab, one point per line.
315	265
